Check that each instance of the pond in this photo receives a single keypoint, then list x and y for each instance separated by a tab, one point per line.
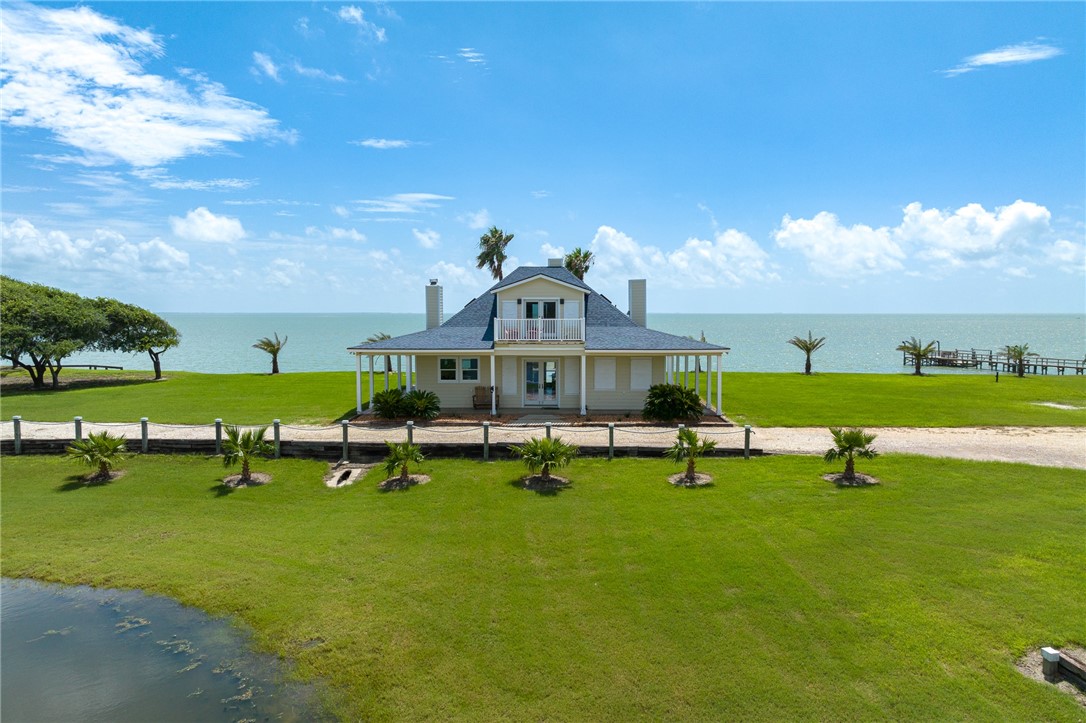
78	653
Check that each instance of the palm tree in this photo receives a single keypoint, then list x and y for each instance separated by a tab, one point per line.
543	454
808	346
689	448
1018	354
492	250
243	447
381	336
99	450
578	261
400	455
849	444
273	348
918	349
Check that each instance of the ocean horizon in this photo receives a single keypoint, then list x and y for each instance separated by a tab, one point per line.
862	343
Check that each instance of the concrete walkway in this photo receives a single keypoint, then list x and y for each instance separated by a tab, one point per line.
1046	446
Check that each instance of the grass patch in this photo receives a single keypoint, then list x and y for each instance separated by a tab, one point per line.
771	594
763	399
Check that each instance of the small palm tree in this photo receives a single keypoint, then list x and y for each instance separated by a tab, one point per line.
244	447
1018	354
808	346
918	349
273	348
99	450
400	455
542	455
689	448
382	336
492	251
848	445
578	262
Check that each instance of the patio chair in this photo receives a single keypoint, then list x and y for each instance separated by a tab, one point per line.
481	398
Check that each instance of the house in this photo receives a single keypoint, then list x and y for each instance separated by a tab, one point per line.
542	338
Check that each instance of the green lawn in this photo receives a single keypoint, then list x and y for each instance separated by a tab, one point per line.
772	595
763	399
901	400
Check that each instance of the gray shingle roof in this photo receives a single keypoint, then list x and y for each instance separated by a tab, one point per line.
606	328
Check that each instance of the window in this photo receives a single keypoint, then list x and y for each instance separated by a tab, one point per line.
458	369
604	373
469	370
447	370
640	374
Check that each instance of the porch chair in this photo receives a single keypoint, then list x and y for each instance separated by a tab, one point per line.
481	398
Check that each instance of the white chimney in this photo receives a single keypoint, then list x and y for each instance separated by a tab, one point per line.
555	262
435	305
637	301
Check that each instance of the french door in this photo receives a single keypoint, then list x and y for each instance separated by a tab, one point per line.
541	383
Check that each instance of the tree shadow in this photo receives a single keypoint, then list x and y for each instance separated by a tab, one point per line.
544	488
82	482
221	489
22	388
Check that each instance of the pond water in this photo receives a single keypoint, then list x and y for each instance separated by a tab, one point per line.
78	653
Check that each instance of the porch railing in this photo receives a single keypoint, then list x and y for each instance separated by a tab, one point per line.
538	330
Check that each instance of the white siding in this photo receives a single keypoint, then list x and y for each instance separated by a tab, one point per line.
510	390
640	374
572	373
603	378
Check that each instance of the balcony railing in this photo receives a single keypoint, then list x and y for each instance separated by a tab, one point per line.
539	330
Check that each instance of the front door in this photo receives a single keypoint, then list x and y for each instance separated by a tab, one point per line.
541	383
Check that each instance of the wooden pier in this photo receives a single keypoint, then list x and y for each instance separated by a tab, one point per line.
995	360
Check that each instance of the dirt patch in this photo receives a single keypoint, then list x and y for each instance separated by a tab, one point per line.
700	480
1029	665
536	483
256	479
859	480
395	483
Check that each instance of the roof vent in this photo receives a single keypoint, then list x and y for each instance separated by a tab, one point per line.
554	262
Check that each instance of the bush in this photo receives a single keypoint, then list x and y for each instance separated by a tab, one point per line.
668	402
544	454
388	404
421	404
416	404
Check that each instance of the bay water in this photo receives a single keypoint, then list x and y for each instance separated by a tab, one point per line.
865	343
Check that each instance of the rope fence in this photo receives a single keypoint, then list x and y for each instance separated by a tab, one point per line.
18	430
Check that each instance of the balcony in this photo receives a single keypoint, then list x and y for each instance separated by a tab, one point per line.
545	331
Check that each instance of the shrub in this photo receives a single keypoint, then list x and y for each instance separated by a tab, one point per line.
543	454
400	455
244	447
389	404
668	402
689	448
848	444
99	450
421	404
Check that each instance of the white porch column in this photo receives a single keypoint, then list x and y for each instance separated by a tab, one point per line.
371	381
387	359
708	380
399	370
686	370
667	369
410	371
358	383
696	375
493	389
719	382
584	384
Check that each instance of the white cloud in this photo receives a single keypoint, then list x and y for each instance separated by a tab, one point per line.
263	64
540	194
552	252
428	239
840	251
80	75
1007	55
26	245
284	272
157	178
335	233
354	15
202	225
402	203
478	220
317	73
972	233
450	274
1069	256
382	143
731	258
341	211
472	55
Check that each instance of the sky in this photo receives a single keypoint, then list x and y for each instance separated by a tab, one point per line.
747	158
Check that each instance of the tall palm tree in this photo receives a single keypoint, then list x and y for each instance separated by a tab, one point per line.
492	251
544	454
689	448
919	350
381	336
400	455
847	445
244	447
273	348
99	450
578	261
808	346
1018	354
